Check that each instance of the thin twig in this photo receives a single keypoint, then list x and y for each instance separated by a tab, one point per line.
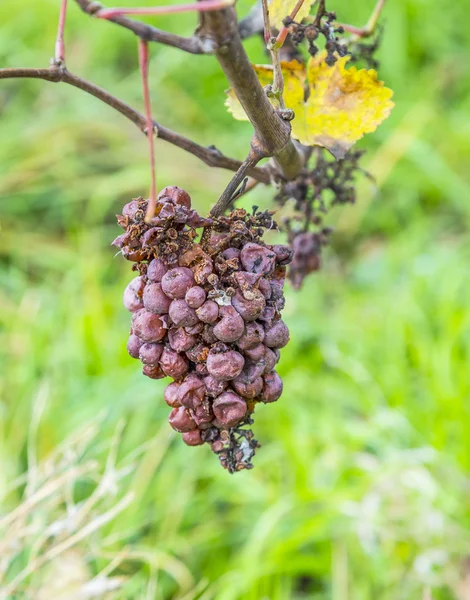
193	45
369	28
144	70
59	54
210	156
202	6
226	198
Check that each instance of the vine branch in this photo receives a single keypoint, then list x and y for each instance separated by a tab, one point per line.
148	33
210	156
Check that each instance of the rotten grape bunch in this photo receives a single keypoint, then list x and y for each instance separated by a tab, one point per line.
208	315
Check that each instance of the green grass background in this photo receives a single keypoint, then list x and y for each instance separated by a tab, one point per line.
361	488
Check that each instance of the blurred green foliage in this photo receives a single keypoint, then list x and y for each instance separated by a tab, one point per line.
359	491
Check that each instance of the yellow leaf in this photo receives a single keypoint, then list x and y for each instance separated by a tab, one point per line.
342	104
280	9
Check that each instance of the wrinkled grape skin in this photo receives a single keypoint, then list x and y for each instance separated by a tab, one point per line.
132	298
283	254
180	340
208	312
272	388
203	415
195	329
231	326
156	270
249	310
252	336
176	282
256	353
150	354
182	315
153	371
192	438
173	364
195	296
277	335
155	299
133	345
130	209
178	195
148	326
248	390
191	392
270	360
214	387
225	365
229	409
181	420
257	259
171	394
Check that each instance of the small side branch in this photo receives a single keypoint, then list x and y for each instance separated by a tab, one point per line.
193	45
210	156
226	198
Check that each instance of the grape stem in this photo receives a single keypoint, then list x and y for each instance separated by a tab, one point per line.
203	5
59	54
144	70
369	28
210	156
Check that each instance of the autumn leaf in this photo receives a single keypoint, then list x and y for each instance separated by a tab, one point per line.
280	9
341	104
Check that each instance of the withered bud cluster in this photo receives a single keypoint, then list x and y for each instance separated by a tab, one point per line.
325	183
322	27
207	314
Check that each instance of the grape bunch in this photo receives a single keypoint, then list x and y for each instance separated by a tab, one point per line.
206	312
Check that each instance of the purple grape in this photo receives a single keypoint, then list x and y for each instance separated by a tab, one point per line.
201	369
250	372
231	327
257	259
272	388
251	309
150	353
283	254
171	394
214	387
198	353
277	335
147	326
176	194
229	409
132	297
156	270
155	300
253	335
180	340
181	420
195	329
225	365
248	390
203	415
208	335
191	392
195	296
270	360
265	288
192	438
208	312
173	364
153	371
182	315
256	353
133	345
130	209
176	282
231	253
